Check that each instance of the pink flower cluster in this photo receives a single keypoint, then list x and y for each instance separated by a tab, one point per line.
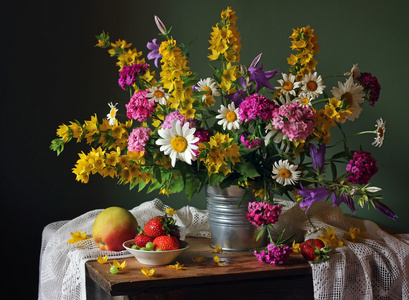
362	167
296	121
256	106
250	143
203	135
138	138
371	86
139	107
128	74
177	116
274	255
262	213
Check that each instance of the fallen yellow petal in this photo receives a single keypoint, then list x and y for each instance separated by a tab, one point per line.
147	272
102	260
296	248
177	266
77	236
218	261
198	259
217	249
170	211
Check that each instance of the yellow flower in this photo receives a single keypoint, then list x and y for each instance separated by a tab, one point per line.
63	132
177	266
217	249
77	236
296	248
354	233
170	211
147	272
218	261
329	238
77	130
198	259
102	260
120	266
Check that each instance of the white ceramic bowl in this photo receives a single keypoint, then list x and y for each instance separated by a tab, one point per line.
155	258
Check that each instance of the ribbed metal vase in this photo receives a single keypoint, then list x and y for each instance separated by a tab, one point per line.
228	225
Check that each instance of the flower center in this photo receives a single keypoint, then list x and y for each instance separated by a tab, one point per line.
284	173
305	101
380	132
112	113
288	86
207	89
179	144
159	94
231	116
348	98
312	86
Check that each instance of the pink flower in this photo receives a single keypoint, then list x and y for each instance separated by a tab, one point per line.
203	135
274	255
296	121
139	107
129	74
362	167
262	213
371	87
256	106
177	116
138	138
250	143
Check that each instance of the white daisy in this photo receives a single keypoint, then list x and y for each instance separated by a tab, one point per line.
229	117
208	85
312	85
285	173
112	114
283	100
178	142
380	132
304	100
158	95
288	84
355	72
352	95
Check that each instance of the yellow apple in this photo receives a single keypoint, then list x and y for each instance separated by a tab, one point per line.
112	227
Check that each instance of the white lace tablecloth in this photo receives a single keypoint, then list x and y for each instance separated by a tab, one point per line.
376	267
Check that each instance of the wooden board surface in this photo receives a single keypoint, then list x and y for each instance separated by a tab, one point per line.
237	266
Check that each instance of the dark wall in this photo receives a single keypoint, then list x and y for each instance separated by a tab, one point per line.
53	74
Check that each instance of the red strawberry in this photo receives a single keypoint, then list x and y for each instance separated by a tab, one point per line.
165	242
314	250
154	227
161	225
141	239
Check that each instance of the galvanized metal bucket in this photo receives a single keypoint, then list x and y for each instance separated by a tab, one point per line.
228	225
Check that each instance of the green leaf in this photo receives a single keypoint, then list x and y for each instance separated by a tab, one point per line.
154	186
191	186
261	232
334	171
246	169
176	185
216	178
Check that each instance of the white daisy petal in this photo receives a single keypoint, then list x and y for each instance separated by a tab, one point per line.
285	173
352	94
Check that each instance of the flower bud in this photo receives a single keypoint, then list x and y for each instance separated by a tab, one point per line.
373	189
160	25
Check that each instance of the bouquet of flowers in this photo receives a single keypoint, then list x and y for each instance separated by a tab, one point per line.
265	131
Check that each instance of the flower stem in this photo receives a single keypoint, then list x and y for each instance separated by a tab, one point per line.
356	134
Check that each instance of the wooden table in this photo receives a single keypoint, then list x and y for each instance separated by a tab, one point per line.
240	277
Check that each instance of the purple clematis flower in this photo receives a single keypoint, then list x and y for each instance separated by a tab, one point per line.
318	157
262	78
347	199
384	209
312	195
154	54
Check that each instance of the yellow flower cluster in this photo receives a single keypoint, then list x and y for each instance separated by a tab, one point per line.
225	46
174	69
109	164
126	56
305	43
225	39
219	153
325	118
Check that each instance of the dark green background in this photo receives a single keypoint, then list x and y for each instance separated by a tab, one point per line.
52	74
